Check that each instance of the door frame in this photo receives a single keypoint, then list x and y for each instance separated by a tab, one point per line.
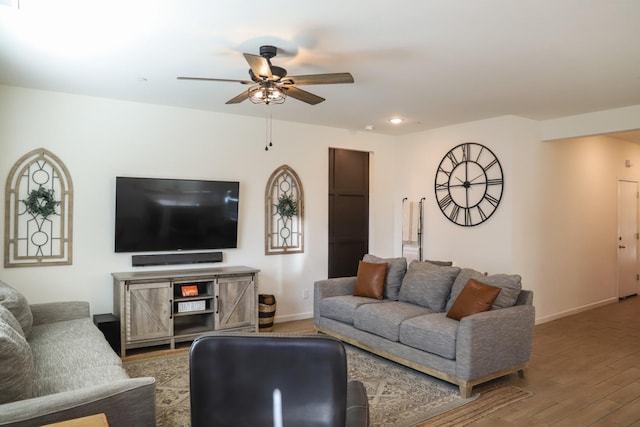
625	242
348	210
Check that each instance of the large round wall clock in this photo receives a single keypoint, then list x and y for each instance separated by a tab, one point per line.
469	184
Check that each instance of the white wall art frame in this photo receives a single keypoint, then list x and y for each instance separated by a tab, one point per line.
38	221
284	213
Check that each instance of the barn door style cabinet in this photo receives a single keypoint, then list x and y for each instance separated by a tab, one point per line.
170	306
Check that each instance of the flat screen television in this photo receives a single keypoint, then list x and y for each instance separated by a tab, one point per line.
155	214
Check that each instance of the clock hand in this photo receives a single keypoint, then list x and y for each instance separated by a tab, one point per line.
482	174
467	185
466	182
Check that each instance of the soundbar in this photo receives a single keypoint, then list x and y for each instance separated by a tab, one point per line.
170	259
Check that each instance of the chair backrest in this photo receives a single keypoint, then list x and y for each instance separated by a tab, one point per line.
233	378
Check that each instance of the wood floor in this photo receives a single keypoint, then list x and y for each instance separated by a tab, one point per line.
584	371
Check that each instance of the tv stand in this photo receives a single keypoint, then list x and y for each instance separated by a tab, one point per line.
170	306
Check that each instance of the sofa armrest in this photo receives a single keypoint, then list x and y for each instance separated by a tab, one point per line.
129	402
334	287
59	311
494	340
525	297
331	288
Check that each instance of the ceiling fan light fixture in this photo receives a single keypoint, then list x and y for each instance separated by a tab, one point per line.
266	95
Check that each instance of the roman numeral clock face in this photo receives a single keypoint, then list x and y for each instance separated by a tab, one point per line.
469	184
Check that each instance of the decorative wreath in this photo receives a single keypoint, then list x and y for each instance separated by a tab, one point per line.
41	202
287	206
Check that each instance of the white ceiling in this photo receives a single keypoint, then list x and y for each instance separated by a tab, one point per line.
431	62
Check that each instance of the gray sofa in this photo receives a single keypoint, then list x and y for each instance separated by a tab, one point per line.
56	365
410	324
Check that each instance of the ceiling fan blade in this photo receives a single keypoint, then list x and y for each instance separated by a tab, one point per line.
244	82
302	95
259	65
320	79
238	99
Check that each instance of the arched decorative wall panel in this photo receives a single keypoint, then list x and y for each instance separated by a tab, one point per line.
284	213
38	221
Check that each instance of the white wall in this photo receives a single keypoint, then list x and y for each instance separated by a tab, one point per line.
99	139
555	226
486	247
574	229
597	123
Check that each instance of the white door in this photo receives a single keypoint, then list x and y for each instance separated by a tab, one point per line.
627	238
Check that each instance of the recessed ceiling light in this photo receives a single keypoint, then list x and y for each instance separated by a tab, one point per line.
396	120
368	127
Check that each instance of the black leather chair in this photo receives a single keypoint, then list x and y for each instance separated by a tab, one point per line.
233	378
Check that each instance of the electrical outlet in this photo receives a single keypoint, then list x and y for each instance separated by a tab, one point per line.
305	294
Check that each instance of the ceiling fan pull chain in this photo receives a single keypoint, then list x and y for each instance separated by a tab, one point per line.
268	142
266	134
270	127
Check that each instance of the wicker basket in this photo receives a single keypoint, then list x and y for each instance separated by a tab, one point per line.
266	312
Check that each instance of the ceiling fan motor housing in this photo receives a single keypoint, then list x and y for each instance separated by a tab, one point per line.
268	51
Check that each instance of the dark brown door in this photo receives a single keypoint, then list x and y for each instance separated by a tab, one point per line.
348	210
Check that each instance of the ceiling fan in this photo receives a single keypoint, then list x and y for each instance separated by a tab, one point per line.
271	85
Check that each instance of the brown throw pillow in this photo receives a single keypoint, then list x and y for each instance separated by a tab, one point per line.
475	298
370	279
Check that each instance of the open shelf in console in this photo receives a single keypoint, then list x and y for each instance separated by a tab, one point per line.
193	297
192	289
196	323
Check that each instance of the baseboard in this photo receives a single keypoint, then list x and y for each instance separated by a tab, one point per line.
576	310
292	317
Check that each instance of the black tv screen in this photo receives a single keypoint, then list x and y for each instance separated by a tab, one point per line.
175	214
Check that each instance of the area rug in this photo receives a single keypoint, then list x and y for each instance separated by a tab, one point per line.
493	396
398	396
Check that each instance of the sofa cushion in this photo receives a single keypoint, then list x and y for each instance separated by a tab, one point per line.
475	298
79	379
16	360
64	347
510	285
342	308
370	280
434	333
18	306
385	319
395	272
428	285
